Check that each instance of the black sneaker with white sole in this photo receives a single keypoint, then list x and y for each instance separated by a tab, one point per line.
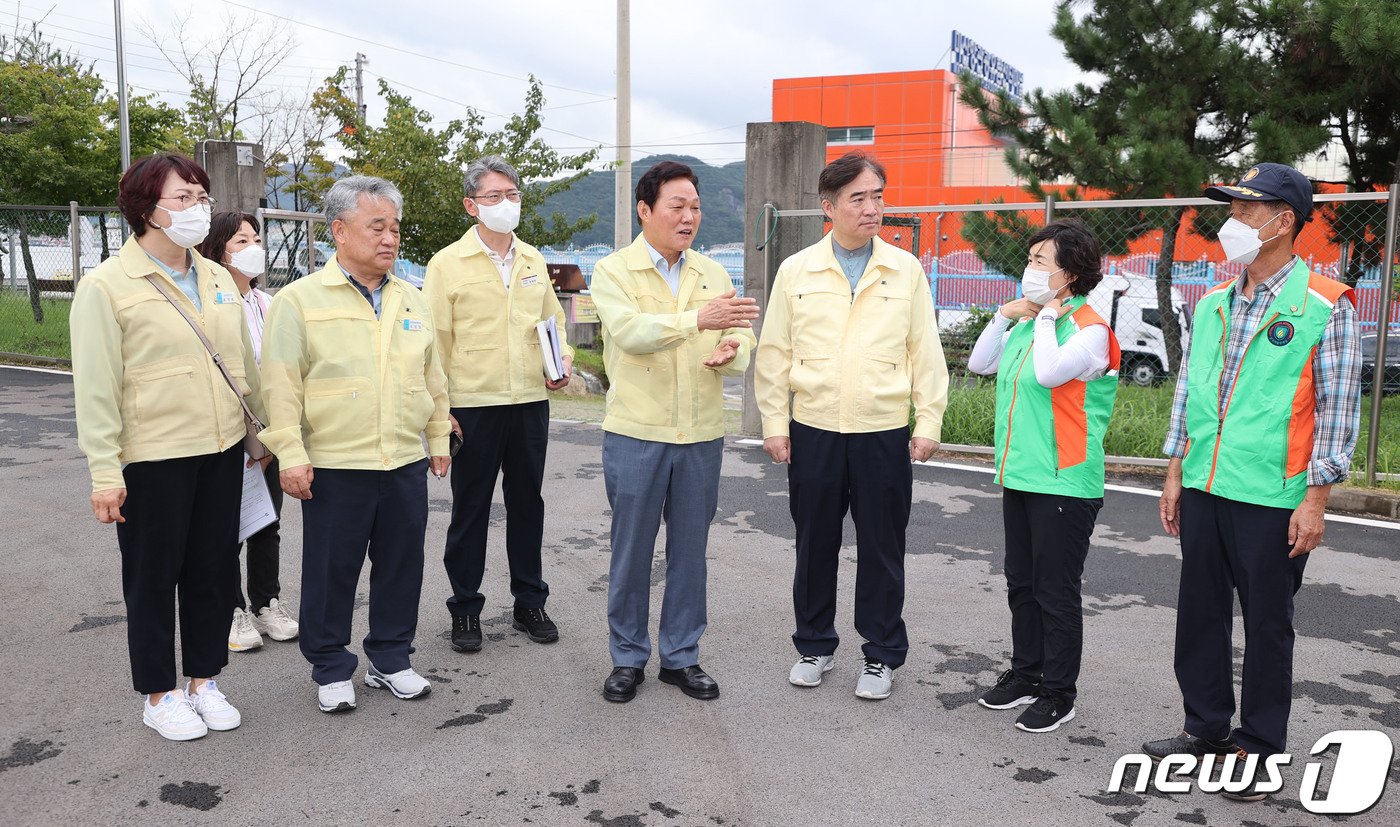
1046	714
1011	691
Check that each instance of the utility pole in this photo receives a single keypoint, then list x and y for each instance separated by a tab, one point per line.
622	232
122	112
360	61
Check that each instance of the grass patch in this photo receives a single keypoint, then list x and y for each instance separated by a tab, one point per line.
1137	429
1140	420
19	333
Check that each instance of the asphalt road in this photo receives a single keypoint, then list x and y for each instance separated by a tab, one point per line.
519	733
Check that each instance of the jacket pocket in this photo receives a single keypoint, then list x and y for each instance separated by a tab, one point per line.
644	389
341	415
167	400
479	364
815	378
884	387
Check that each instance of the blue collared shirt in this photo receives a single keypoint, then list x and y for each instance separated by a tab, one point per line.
671	274
187	280
375	296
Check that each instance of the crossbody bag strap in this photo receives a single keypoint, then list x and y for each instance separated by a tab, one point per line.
209	346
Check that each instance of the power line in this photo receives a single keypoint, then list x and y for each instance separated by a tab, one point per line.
410	51
484	111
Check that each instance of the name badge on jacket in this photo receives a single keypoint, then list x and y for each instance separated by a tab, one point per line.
222	297
529	281
412	324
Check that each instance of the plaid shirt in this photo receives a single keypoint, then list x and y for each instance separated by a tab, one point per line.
1336	379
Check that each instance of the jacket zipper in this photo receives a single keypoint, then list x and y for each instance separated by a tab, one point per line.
1011	409
1225	411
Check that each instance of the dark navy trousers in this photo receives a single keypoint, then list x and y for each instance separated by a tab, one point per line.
871	476
1229	548
351	513
510	442
180	538
1047	540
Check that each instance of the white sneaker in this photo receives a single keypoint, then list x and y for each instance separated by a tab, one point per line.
405	685
241	634
336	697
174	717
875	681
274	621
213	708
809	670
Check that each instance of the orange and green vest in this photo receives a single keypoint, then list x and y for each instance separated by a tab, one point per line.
1257	451
1050	440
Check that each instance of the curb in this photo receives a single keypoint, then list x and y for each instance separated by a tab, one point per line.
1372	503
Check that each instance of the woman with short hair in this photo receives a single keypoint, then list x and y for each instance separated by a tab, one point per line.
163	431
1056	362
235	241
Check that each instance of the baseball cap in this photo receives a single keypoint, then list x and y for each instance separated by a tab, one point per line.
1269	182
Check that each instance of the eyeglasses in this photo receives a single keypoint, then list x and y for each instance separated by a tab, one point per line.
491	199
187	200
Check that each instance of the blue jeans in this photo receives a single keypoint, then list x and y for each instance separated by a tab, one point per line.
647	481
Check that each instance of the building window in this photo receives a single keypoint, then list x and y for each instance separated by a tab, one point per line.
851	135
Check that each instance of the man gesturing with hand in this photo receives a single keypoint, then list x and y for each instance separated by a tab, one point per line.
672	328
848	342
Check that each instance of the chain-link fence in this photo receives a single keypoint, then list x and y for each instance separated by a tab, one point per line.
44	250
1159	258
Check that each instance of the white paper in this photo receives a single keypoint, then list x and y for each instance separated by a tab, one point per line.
548	331
257	512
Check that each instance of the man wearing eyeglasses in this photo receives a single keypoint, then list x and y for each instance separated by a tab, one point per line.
488	291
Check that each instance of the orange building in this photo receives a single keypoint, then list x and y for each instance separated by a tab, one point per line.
936	152
932	146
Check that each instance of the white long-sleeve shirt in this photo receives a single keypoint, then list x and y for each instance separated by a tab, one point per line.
1083	356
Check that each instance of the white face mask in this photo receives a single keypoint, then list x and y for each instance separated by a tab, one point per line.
189	226
1035	285
502	218
251	261
1241	241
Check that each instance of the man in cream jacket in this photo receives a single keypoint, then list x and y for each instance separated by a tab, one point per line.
848	342
488	291
353	384
672	328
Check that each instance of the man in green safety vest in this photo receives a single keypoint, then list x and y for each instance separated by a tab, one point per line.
1263	424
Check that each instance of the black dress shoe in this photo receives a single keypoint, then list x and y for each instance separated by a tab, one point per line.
466	633
1187	744
621	685
693	681
535	623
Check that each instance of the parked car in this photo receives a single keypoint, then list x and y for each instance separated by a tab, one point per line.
1391	382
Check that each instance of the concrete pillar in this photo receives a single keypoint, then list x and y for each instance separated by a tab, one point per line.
782	163
236	174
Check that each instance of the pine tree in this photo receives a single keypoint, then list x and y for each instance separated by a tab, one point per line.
1341	59
1179	97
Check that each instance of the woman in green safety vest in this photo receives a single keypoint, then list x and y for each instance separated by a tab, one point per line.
1056	362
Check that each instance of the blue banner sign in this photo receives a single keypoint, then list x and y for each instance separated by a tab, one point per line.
987	67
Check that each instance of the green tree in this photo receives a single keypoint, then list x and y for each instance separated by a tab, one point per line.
1180	97
1340	59
50	117
427	163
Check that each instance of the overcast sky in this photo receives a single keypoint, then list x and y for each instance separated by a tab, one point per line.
700	70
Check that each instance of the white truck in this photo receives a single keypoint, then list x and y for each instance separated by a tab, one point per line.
1129	303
